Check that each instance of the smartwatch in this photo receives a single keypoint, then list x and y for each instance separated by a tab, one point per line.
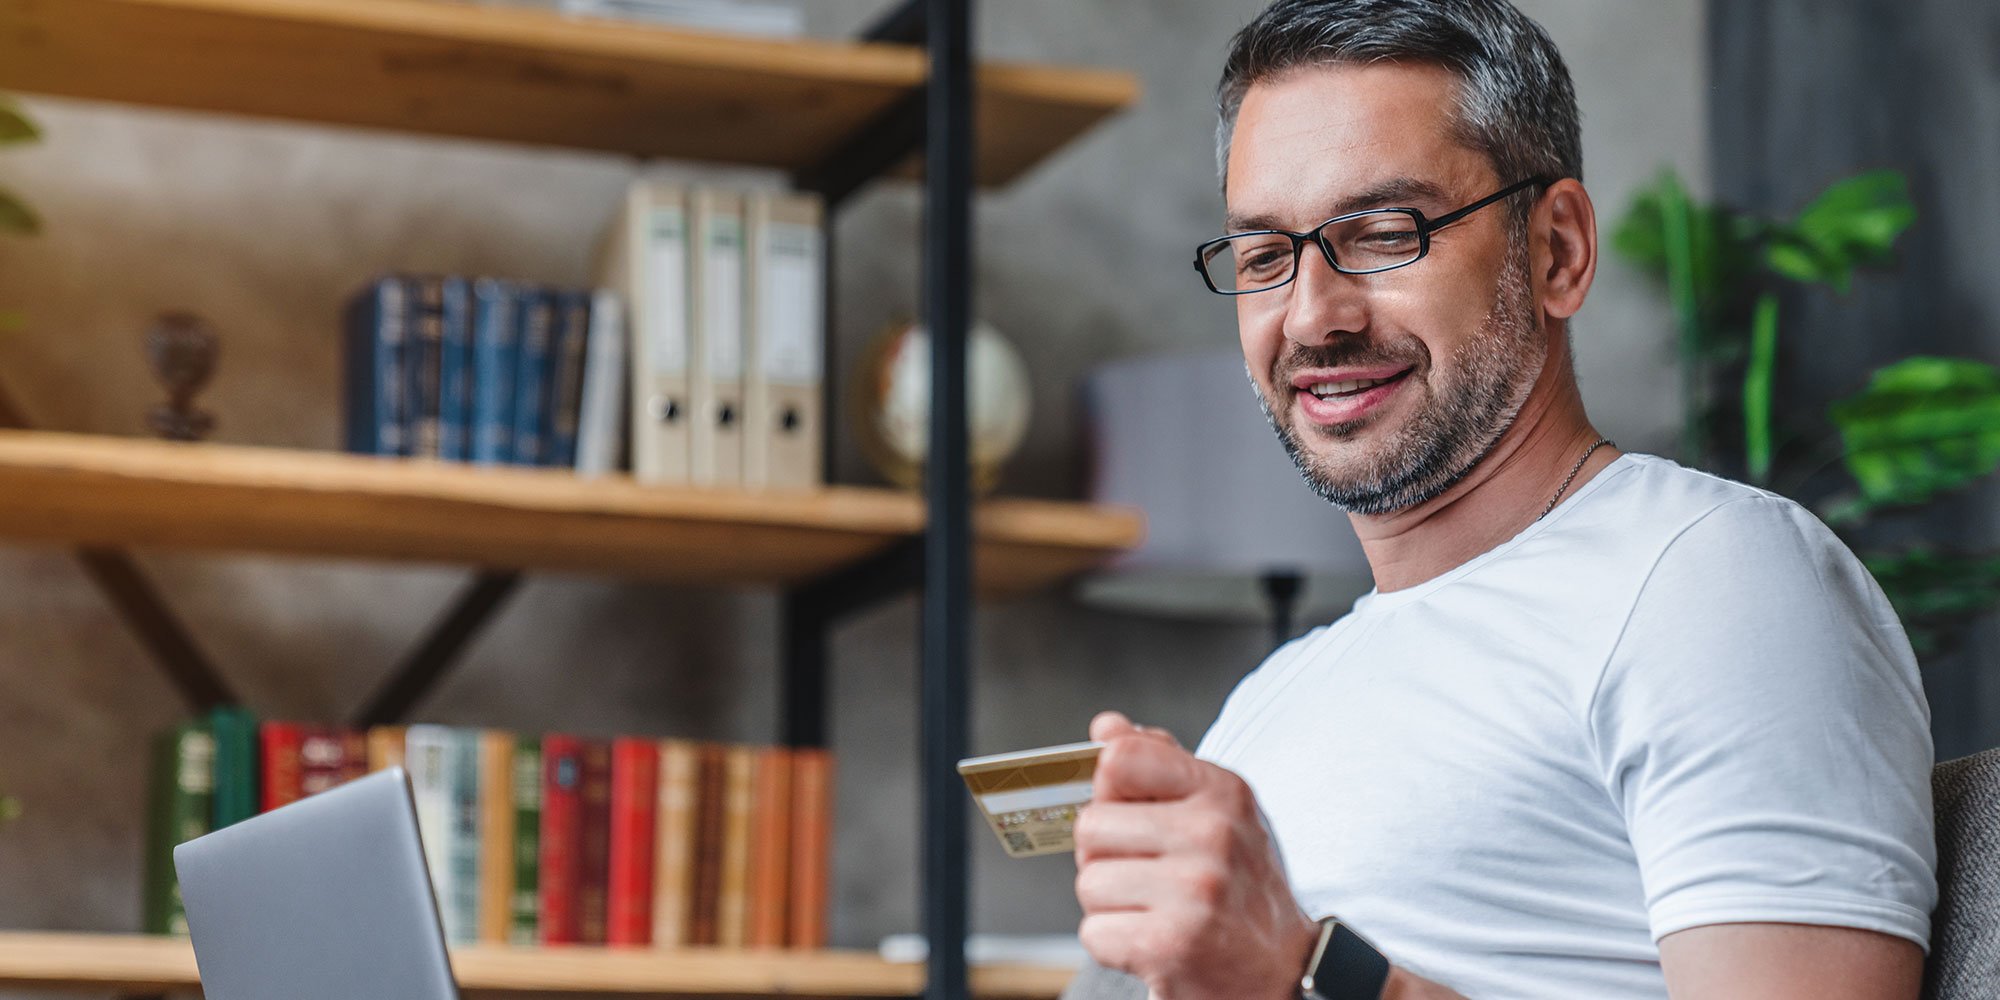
1343	966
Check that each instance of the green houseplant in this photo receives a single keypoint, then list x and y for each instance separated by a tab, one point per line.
1921	428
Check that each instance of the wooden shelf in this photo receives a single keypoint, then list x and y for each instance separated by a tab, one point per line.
146	962
142	494
527	76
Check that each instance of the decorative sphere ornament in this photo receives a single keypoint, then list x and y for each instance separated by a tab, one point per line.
892	403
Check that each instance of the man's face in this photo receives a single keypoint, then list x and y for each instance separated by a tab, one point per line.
1386	388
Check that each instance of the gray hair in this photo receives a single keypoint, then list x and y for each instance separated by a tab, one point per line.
1516	103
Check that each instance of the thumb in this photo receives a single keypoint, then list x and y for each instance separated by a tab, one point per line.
1108	726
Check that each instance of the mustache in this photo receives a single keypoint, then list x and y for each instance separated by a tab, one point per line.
1354	352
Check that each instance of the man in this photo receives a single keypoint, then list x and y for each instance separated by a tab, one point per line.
1606	727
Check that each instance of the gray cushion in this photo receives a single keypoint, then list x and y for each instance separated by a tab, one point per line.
1965	931
1098	983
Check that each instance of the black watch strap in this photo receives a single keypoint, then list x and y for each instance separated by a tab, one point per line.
1344	966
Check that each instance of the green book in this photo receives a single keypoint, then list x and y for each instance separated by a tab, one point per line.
235	764
525	926
183	803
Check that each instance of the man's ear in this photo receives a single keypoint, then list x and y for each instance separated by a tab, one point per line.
1565	247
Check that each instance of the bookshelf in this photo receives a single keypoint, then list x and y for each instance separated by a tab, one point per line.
141	494
137	962
520	75
833	115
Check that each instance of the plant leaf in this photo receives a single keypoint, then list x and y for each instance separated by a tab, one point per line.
16	217
1937	594
15	126
1852	224
1760	378
1923	426
1719	255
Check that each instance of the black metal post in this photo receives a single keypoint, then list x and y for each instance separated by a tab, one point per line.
1281	591
812	609
948	528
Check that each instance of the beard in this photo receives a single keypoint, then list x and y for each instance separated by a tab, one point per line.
1465	410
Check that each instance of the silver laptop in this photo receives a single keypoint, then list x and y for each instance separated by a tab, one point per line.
324	899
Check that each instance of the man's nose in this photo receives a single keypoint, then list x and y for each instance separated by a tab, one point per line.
1325	304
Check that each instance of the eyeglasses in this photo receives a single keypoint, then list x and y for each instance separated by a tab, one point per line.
1370	242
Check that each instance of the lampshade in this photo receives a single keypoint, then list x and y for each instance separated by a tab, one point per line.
1182	437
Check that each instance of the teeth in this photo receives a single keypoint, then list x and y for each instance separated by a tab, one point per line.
1325	389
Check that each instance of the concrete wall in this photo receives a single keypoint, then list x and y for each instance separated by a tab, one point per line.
266	227
1808	92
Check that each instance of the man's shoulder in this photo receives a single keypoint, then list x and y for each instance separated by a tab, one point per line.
1651	506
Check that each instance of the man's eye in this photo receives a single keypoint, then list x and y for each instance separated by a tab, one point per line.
1264	260
1389	239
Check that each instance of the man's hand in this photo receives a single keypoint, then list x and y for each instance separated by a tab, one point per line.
1178	878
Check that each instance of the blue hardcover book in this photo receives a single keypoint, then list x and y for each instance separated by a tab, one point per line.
494	359
425	310
377	345
566	385
535	324
455	370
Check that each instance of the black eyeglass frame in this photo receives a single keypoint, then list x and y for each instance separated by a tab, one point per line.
1317	236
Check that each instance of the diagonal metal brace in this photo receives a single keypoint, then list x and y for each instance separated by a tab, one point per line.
424	667
137	601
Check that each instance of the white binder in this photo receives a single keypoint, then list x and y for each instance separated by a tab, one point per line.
787	302
716	284
646	262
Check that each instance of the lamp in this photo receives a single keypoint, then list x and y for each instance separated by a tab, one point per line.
1233	534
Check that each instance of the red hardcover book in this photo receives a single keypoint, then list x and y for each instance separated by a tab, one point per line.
594	890
709	784
635	798
322	758
278	745
812	846
560	880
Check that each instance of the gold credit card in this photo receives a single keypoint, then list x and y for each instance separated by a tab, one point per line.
1030	797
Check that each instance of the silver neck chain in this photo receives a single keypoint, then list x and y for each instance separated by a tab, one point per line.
1573	470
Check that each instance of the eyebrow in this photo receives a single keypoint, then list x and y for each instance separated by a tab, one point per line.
1396	192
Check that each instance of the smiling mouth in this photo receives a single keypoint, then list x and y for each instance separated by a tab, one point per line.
1352	387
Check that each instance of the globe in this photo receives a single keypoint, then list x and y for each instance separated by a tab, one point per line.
892	403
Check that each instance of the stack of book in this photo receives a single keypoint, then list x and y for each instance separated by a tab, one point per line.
704	350
487	371
539	841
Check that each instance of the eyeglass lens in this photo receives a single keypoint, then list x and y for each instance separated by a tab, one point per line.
1373	241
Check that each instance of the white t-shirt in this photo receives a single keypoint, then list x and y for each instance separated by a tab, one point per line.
1675	701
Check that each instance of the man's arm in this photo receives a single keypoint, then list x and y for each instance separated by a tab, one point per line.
1790	962
1181	887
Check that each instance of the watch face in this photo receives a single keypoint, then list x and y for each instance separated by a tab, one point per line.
1344	965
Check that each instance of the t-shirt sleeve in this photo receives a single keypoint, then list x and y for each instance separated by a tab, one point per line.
1761	725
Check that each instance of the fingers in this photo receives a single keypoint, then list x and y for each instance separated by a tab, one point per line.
1139	768
1122	829
1115	885
1118	940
